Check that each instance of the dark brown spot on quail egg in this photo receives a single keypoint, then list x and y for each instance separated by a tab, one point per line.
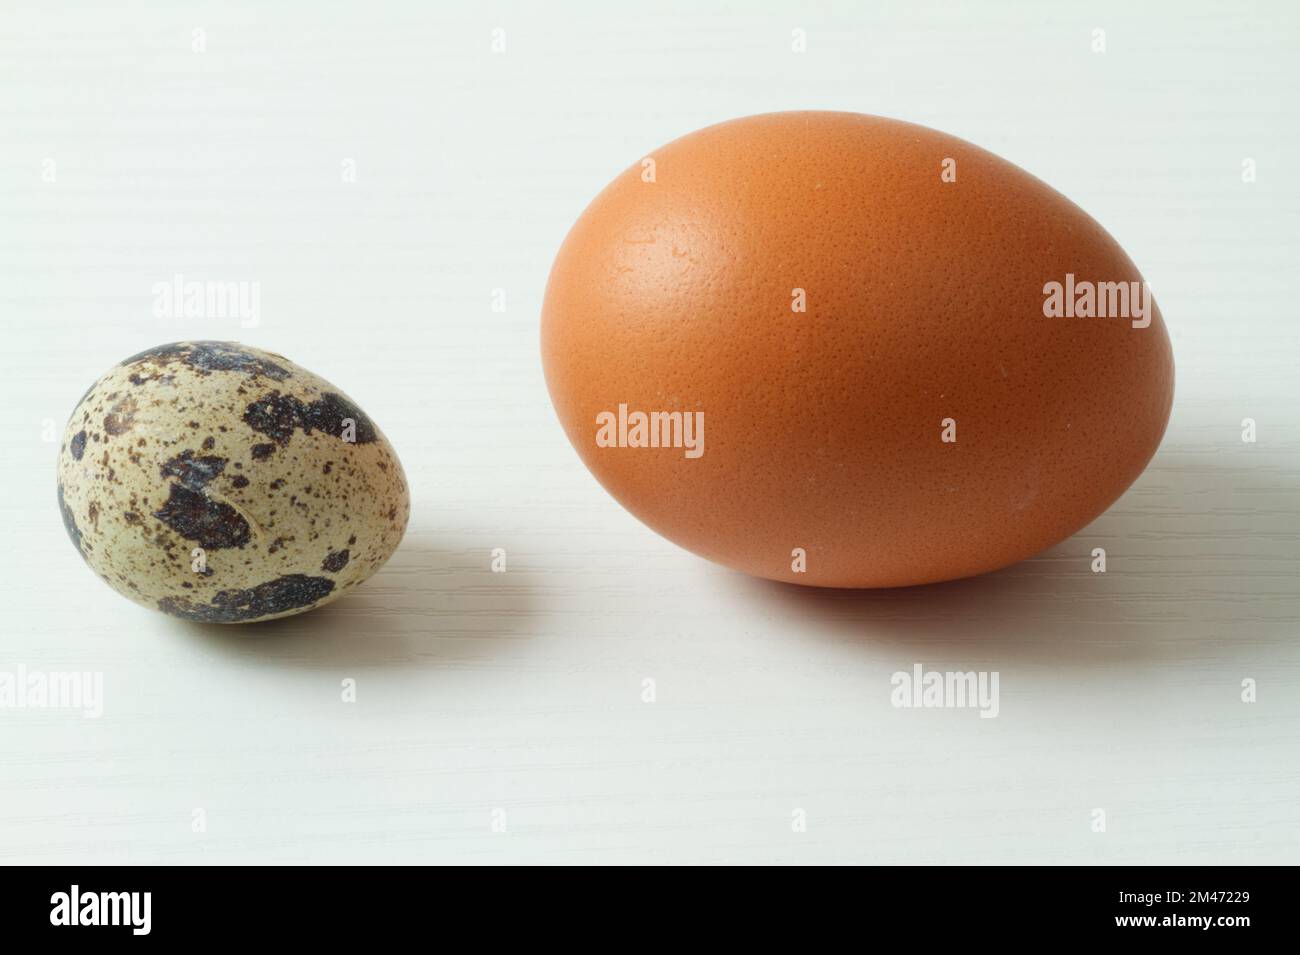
163	519
335	561
195	516
191	471
275	598
207	357
277	416
69	521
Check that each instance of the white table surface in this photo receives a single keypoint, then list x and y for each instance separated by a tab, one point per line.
522	692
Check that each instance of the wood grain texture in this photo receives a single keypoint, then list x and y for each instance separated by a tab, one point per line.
522	691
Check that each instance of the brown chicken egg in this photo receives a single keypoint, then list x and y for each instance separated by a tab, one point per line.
848	351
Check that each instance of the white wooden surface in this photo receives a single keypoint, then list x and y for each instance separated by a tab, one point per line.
522	692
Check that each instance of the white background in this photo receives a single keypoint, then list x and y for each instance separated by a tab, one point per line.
522	691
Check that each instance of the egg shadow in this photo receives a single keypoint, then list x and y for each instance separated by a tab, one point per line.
1202	559
430	603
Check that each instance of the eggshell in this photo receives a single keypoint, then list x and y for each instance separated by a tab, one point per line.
922	264
224	484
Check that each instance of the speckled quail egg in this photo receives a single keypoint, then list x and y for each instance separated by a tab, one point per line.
224	484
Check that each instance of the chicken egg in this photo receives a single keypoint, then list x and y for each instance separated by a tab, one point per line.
847	351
